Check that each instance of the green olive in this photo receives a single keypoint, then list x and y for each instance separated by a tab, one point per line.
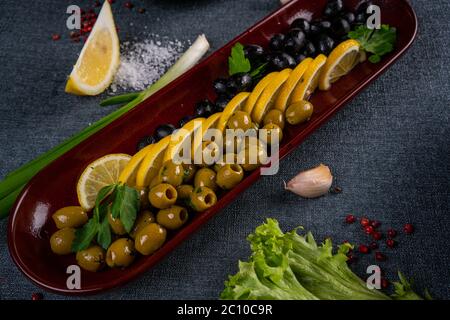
154	182
162	195
61	241
142	220
270	128
70	217
91	259
184	191
189	172
120	253
150	238
274	116
224	161
202	199
143	197
205	177
172	218
116	225
210	151
229	176
171	173
250	162
239	120
232	143
299	112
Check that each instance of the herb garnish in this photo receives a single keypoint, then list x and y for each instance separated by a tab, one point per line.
237	61
376	41
123	203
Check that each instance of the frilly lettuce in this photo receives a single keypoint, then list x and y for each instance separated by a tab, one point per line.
288	266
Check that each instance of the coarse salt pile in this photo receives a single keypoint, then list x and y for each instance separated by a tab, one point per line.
142	63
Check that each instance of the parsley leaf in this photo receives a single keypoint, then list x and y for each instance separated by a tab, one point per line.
377	41
126	206
237	61
85	235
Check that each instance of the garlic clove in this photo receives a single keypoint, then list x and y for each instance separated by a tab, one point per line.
311	183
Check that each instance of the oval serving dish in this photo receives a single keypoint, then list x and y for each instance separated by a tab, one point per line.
30	223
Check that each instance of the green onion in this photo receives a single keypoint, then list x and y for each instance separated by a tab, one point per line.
123	98
11	186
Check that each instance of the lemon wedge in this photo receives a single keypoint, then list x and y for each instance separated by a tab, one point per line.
209	123
339	63
152	162
284	98
310	80
269	95
234	105
99	58
98	174
253	97
128	175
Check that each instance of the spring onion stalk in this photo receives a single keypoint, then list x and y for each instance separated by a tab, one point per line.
123	98
11	186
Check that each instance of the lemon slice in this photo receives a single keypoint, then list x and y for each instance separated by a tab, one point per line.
340	62
235	104
260	86
128	174
179	137
284	98
310	80
209	123
269	95
99	58
98	174
151	163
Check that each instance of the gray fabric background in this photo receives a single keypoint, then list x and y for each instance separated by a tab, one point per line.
388	149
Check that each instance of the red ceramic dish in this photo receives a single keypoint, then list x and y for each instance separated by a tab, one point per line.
30	223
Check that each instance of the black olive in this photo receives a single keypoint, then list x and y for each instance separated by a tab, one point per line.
221	102
299	58
253	51
325	26
349	16
277	62
232	87
145	141
325	44
185	120
294	41
290	61
204	108
220	85
333	8
340	27
243	81
301	24
277	41
315	28
362	7
360	18
163	131
310	49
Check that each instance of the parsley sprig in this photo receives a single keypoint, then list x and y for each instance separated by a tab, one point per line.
239	63
123	203
379	42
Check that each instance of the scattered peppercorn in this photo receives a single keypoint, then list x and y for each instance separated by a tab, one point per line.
373	245
37	296
391	233
141	10
350	219
56	37
368	229
380	256
377	235
391	243
129	5
375	223
408	228
364	222
384	283
363	249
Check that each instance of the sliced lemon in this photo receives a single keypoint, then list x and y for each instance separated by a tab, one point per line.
98	174
209	123
284	98
269	95
310	80
128	174
340	62
180	137
260	86
235	104
151	163
99	58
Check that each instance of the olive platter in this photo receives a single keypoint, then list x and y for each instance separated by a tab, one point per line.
31	221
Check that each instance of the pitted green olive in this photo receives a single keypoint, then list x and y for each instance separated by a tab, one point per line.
189	172
171	173
61	241
70	217
229	176
120	253
202	199
184	192
299	112
205	177
162	195
239	120
172	218
272	128
150	238
91	259
230	158
275	116
143	197
142	220
116	225
252	157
